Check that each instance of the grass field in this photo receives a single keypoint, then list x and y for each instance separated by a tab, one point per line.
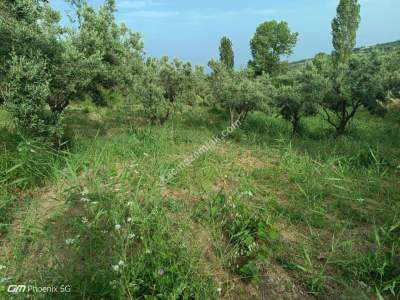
262	215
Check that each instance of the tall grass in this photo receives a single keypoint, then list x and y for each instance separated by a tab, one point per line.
326	210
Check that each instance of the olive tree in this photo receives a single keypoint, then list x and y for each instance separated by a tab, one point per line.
114	52
239	92
362	84
298	93
150	92
30	47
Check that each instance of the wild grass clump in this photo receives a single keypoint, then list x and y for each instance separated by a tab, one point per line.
250	233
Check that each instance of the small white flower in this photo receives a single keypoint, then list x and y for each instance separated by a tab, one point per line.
129	220
85	192
117	227
115	268
121	263
219	290
2	267
86	200
136	172
69	241
85	220
95	203
131	236
130	203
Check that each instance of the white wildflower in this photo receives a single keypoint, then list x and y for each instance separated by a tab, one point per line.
129	220
2	267
117	227
121	263
85	192
115	268
219	290
70	241
85	200
131	236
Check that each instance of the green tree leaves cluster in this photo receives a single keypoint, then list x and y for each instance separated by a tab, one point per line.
164	86
271	41
298	93
226	53
239	92
355	80
37	53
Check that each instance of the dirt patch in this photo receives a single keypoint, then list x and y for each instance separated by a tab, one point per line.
247	159
288	233
277	284
223	185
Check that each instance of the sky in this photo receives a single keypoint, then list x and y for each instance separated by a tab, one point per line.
191	29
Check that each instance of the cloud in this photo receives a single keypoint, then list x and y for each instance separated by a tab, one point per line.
151	14
136	4
232	14
149	9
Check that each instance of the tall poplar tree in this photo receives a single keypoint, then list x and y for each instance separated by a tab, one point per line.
226	53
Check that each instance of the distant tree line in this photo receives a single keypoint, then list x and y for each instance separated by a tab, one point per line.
44	66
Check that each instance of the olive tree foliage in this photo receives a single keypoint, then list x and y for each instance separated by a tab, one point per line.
239	92
297	95
114	52
30	46
226	53
164	86
28	87
270	43
151	93
176	79
66	62
362	84
392	63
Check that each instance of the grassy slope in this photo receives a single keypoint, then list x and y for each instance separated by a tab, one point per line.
260	215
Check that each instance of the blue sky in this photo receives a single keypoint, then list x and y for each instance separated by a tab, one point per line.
191	29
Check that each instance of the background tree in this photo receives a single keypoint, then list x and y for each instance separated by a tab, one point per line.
271	41
298	93
344	31
392	67
362	83
239	92
226	53
151	94
115	50
339	105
